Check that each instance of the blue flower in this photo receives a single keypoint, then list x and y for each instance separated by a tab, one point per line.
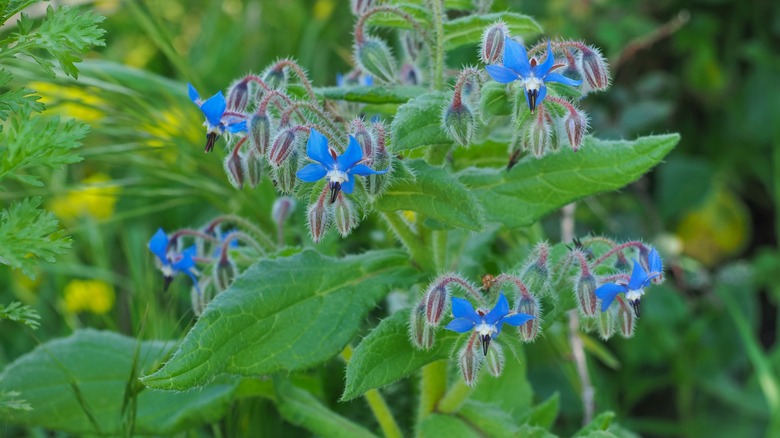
339	170
487	325
640	278
532	76
170	265
214	110
354	78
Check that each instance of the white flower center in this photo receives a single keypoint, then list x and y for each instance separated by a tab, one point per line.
532	83
634	294
485	329
337	176
167	270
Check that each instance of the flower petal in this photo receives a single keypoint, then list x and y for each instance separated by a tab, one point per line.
638	277
348	186
237	127
516	58
541	95
607	293
561	79
654	260
517	319
463	309
499	311
214	108
363	170
460	325
158	244
187	261
351	156
501	74
541	69
311	172
193	93
317	149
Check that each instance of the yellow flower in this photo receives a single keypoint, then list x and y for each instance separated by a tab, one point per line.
97	199
323	9
94	296
70	101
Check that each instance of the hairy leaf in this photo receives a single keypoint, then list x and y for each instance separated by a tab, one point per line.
371	94
469	29
86	383
419	13
284	314
535	187
418	122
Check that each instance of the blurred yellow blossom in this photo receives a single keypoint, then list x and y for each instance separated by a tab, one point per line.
69	101
94	296
323	9
97	199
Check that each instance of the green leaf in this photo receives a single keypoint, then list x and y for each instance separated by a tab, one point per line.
27	234
511	391
489	418
384	19
437	425
418	122
469	29
535	187
543	414
435	194
600	423
82	383
387	355
21	313
284	314
301	408
495	99
371	94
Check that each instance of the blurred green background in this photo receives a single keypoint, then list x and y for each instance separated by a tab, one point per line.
704	361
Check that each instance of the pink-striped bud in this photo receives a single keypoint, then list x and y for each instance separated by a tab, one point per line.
255	165
494	360
275	77
238	96
224	273
318	220
373	56
530	305
344	215
422	334
536	273
282	209
626	319
436	301
491	50
260	132
575	124
470	360
235	168
365	138
359	7
539	134
594	69
458	121
283	147
585	290
606	323
285	176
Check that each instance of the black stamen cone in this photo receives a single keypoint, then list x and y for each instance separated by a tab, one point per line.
334	191
532	95
635	305
211	139
168	280
485	343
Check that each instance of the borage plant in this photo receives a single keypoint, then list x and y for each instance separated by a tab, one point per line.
454	164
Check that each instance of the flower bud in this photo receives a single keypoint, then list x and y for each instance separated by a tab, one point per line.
622	264
238	96
410	74
536	275
344	215
375	57
365	138
412	44
436	301
275	77
575	124
260	132
282	209
459	123
285	174
235	168
585	290
359	7
224	273
422	334
200	295
594	69
255	164
539	134
606	323
530	305
283	147
625	319
469	361
495	359
491	49
318	220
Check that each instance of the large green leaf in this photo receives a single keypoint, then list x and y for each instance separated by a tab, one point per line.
436	194
418	122
371	94
535	187
80	385
283	314
469	29
418	12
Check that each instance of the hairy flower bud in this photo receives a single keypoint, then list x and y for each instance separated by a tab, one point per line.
625	319
422	334
200	295
575	124
530	305
494	361
275	77
536	274
491	49
410	74
318	219
469	361
436	301
344	215
224	273
365	138
238	96
585	290
412	44
594	70
539	134
255	164
260	132
458	121
285	174
235	168
283	147
359	7
373	56
606	323
282	209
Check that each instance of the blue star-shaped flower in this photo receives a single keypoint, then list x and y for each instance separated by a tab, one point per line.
214	110
487	325
531	76
340	170
171	265
636	285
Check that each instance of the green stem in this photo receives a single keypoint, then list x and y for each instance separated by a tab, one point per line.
419	252
455	397
437	10
378	405
432	386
